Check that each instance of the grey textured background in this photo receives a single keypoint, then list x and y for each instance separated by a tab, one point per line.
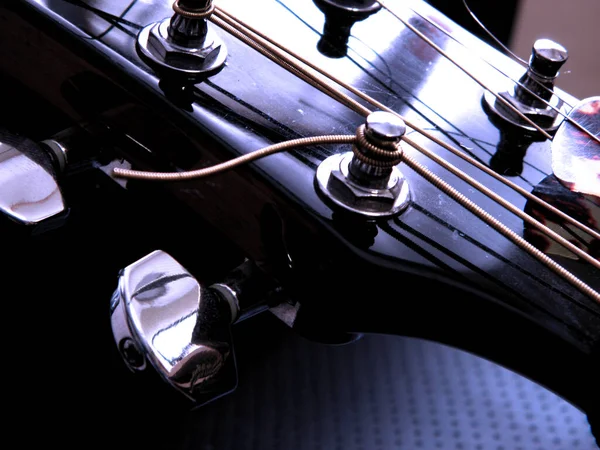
384	392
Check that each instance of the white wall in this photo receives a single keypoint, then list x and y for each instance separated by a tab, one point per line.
575	24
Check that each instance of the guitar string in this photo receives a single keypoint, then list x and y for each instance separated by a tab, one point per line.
524	63
466	149
445	54
435	127
496	40
578	125
517	82
442	52
509	206
114	18
513	264
413	164
478	144
279	57
119	20
501	228
467	72
508	51
238	28
222	14
423	171
416	166
564	217
234	162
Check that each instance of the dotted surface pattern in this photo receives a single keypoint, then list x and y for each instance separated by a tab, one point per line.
385	392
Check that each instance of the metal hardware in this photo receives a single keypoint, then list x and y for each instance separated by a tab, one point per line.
163	317
360	186
547	57
340	16
29	192
248	291
58	151
183	46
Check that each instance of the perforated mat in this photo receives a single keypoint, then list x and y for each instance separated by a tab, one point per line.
384	392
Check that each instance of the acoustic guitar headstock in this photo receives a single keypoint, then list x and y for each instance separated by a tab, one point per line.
379	168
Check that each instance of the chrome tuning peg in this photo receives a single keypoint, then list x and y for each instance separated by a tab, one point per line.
29	191
163	318
185	46
534	94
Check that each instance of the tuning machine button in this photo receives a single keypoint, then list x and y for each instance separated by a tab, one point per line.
163	318
534	95
29	191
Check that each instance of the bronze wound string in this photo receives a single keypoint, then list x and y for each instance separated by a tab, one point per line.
302	68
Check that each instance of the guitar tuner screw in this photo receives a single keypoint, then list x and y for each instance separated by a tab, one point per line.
184	46
366	180
131	354
534	95
58	151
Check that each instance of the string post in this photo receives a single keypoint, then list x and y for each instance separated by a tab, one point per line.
189	25
547	57
533	95
184	46
366	180
377	149
340	16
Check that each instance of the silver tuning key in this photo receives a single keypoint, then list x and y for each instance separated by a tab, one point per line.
163	318
533	95
29	191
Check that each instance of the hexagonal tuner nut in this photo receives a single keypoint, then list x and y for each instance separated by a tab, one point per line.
362	188
169	57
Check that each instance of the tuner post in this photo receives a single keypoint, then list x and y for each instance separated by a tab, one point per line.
533	95
547	57
340	16
366	180
189	25
184	46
